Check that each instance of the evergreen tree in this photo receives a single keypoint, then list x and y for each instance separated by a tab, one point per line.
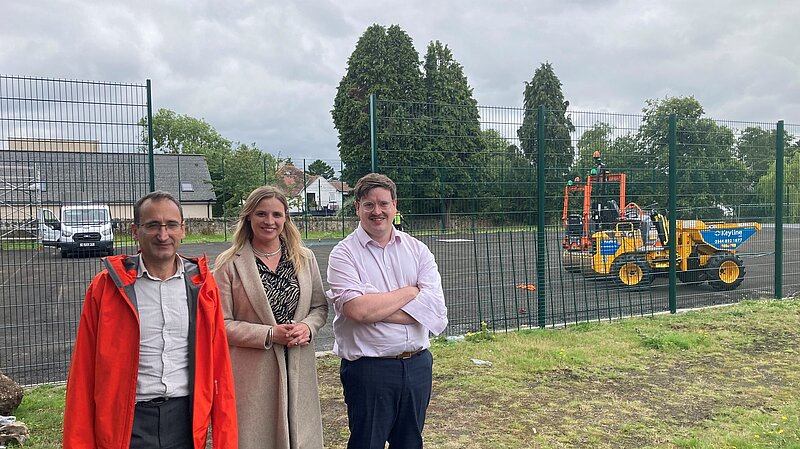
384	63
544	89
321	168
453	124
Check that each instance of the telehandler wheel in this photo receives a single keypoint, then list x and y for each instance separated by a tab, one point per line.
631	271
725	271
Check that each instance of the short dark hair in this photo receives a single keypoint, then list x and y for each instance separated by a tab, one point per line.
371	181
158	195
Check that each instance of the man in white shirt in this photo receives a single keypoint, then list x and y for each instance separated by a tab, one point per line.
387	295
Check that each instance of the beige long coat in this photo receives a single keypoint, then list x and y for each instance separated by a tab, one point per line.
274	410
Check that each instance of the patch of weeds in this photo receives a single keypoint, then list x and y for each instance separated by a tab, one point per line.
482	335
671	341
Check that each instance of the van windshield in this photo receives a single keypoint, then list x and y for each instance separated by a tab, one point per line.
85	216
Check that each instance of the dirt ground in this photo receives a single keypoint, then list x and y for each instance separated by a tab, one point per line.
644	405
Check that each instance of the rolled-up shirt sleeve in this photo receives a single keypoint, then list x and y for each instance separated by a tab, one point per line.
428	308
344	279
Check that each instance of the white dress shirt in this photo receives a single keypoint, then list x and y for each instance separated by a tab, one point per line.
357	266
164	335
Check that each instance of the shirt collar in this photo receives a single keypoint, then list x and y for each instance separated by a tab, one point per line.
364	238
143	270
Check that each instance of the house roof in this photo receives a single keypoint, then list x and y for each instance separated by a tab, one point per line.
108	178
341	186
292	180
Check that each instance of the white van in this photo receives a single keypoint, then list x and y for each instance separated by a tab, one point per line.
81	228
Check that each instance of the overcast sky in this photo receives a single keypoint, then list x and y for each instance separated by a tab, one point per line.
266	71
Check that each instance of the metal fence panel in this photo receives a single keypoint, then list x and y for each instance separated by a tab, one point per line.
62	143
467	184
468	187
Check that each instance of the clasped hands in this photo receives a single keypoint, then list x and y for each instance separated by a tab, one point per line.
291	334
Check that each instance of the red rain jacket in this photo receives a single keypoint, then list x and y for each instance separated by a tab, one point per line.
101	388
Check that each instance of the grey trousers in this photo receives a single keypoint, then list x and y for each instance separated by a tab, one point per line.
165	424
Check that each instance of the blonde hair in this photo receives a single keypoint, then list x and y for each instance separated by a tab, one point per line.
290	236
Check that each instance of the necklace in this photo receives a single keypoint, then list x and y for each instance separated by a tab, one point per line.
265	255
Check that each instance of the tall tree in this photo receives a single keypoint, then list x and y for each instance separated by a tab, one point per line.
452	129
544	89
384	63
711	178
320	168
755	147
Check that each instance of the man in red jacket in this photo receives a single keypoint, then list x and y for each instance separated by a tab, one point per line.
151	368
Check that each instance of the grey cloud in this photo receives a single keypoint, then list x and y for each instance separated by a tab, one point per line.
266	71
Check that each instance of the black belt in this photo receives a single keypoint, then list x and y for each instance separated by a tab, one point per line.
158	400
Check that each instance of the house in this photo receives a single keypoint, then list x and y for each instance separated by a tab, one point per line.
30	180
311	193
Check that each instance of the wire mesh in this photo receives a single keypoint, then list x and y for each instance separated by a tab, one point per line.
467	183
64	143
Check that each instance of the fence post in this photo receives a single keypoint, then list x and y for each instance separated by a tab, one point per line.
673	212
541	287
442	202
373	131
224	208
150	159
779	181
305	199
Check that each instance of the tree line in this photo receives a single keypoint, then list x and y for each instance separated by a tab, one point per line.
448	159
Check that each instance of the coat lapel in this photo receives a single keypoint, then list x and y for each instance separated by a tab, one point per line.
248	272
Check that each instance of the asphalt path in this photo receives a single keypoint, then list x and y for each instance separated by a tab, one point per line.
489	277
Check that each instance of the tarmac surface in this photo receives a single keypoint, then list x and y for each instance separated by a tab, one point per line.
489	277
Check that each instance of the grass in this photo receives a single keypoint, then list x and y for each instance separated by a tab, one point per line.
723	377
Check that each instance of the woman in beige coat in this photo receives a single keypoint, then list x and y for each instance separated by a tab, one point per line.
273	304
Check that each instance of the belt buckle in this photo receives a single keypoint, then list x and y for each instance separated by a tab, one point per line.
407	355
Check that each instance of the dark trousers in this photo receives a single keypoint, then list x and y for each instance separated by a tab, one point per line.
163	425
387	400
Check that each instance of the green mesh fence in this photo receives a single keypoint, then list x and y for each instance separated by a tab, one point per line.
468	187
71	164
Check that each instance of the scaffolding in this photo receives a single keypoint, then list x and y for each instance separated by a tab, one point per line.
20	204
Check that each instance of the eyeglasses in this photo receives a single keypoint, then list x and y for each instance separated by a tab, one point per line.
153	227
369	206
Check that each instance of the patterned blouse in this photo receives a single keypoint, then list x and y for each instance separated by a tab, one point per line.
281	287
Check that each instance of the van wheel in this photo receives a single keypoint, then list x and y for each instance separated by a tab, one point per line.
110	251
64	254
